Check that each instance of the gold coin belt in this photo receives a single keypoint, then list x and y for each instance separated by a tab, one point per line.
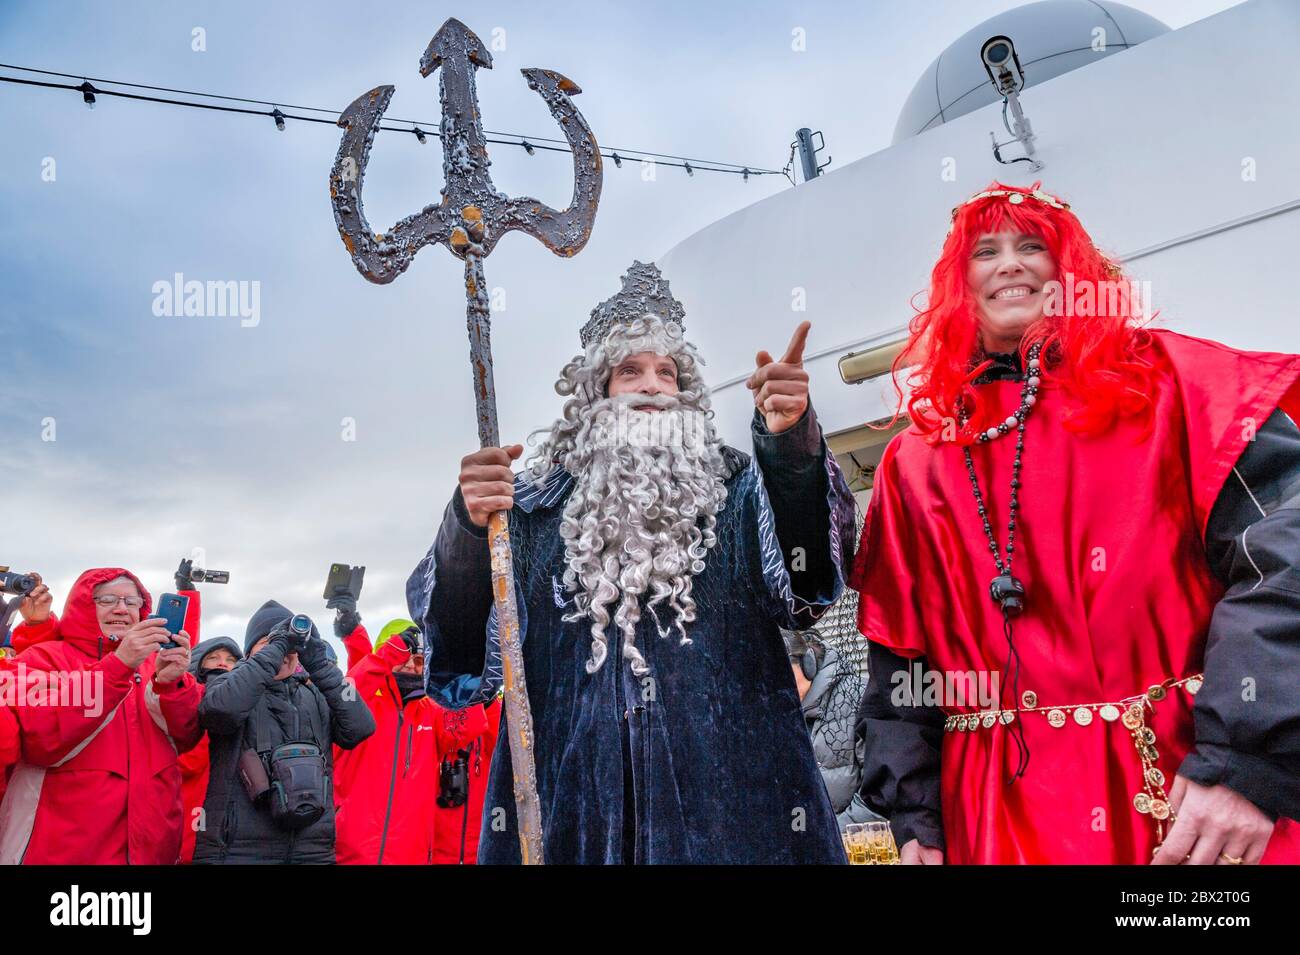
1131	712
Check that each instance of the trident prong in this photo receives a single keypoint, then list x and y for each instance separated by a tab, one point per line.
456	53
470	220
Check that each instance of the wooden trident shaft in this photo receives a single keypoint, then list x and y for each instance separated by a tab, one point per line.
469	221
519	715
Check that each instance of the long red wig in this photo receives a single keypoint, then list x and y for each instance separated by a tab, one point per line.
1095	358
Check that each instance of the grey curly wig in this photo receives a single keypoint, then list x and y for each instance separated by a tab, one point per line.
647	487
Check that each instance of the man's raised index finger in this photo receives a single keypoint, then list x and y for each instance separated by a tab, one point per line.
794	351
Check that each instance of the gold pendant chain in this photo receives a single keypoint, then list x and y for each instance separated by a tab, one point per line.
1131	711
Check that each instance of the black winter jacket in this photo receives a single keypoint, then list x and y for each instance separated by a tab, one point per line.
235	705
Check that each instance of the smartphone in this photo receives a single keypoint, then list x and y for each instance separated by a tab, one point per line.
171	610
346	579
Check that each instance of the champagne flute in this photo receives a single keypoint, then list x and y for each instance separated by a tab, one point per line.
879	838
856	844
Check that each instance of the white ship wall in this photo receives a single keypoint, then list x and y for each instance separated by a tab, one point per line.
1149	146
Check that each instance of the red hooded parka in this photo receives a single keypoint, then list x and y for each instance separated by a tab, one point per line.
98	782
386	788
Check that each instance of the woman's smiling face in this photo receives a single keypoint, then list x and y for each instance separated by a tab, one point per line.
1006	273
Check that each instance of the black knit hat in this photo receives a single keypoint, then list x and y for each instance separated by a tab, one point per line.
269	616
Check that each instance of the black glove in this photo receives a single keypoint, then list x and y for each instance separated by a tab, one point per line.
345	621
413	639
182	578
313	656
342	600
292	640
280	637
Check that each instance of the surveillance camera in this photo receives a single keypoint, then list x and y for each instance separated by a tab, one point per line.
1000	59
1002	64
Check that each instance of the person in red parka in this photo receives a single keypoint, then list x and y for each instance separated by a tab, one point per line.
386	788
38	622
98	782
9	735
456	828
217	655
35	604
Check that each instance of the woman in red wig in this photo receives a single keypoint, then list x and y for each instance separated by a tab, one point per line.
1078	569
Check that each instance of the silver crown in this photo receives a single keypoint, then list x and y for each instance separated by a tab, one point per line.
645	292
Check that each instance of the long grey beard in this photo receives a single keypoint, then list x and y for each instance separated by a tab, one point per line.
641	517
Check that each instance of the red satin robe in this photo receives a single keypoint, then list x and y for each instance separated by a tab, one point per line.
1110	547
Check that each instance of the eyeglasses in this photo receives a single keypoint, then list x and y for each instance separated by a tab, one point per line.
110	600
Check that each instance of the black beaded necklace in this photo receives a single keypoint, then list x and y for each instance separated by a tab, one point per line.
1006	590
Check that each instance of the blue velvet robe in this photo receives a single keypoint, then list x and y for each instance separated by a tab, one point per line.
706	760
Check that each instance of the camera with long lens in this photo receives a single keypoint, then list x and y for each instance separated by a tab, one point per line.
299	631
453	781
19	585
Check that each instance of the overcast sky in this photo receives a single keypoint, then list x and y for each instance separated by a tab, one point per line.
174	433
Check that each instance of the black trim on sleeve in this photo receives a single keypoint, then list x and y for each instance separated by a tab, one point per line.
902	746
1248	710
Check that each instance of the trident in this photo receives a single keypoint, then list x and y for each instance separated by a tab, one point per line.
470	220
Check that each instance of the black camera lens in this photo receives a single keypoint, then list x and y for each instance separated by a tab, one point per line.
18	584
300	623
998	53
